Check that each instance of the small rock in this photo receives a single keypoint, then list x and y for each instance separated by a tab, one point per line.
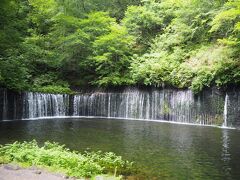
37	172
66	177
11	167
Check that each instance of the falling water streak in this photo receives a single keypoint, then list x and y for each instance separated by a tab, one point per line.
109	105
225	112
44	105
170	105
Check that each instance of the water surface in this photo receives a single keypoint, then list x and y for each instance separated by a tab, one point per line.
160	150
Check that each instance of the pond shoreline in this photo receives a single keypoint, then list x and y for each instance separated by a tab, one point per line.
15	172
11	171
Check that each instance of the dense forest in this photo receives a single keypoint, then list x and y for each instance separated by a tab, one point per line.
58	45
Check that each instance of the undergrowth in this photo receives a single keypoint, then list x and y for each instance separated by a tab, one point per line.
58	158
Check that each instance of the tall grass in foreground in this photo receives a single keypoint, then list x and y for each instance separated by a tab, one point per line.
58	158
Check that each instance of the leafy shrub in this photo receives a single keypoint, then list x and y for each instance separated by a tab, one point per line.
54	89
58	158
211	65
112	57
50	83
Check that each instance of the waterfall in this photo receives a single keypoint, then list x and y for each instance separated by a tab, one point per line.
45	105
170	105
225	112
180	106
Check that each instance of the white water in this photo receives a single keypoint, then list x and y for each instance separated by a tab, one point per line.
44	105
177	106
225	112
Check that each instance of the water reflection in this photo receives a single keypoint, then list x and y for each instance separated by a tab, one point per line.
226	156
165	151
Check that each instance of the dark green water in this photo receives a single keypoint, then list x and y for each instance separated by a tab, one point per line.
161	150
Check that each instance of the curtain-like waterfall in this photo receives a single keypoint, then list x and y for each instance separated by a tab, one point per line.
170	105
45	105
210	107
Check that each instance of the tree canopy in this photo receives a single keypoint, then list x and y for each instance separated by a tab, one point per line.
63	44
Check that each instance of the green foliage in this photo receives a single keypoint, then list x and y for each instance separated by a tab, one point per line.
79	8
13	74
226	25
51	45
12	25
141	22
41	15
57	158
53	89
144	22
227	20
50	83
111	55
211	65
182	54
77	44
152	70
68	44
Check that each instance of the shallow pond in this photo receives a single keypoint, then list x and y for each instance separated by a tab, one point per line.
160	150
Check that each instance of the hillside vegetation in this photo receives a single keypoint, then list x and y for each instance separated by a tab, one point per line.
61	44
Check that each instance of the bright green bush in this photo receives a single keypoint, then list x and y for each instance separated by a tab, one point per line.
54	89
50	83
112	54
58	158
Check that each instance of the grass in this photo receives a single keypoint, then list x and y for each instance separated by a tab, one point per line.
57	158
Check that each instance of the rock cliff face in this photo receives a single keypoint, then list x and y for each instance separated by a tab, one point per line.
11	105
